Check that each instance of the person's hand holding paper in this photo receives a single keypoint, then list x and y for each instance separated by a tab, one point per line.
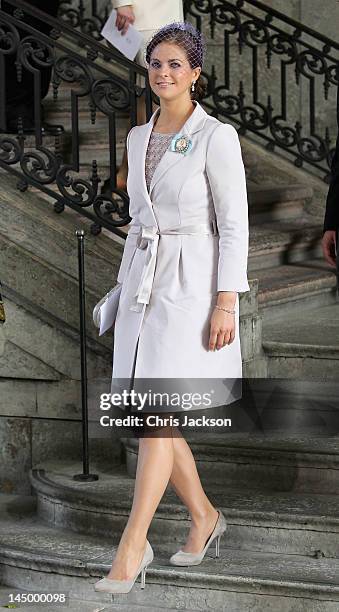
128	44
125	17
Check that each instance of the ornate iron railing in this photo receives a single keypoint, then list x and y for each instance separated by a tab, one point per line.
88	17
272	76
84	71
256	78
282	92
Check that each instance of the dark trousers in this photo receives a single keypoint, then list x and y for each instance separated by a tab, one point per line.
20	96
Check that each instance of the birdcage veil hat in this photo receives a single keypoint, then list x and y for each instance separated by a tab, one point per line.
184	34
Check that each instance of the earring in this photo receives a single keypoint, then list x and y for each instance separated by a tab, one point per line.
193	86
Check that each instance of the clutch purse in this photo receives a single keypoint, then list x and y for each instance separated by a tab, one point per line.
105	311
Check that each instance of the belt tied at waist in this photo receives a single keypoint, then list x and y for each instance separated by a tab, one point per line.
148	238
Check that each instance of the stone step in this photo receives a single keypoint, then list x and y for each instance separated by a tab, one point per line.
62	116
250	159
276	202
41	420
284	242
59	113
85	173
28	269
255	367
15	362
61	300
38	348
13	598
285	462
305	345
275	259
104	64
93	139
59	110
277	170
268	202
38	557
91	148
62	106
93	142
259	521
28	228
93	145
58	225
271	244
76	218
74	605
63	102
283	290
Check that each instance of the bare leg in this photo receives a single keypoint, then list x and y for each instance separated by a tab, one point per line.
154	468
186	482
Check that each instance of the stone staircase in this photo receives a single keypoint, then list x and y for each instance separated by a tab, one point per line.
280	550
277	489
40	357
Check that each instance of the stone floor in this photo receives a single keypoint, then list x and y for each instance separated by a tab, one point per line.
315	330
72	605
40	558
6	594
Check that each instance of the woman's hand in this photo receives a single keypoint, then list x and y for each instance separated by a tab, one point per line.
222	329
329	246
125	16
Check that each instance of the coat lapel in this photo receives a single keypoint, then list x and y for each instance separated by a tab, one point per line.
144	140
170	158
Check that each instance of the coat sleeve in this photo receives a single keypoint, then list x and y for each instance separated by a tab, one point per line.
131	240
117	3
331	220
227	180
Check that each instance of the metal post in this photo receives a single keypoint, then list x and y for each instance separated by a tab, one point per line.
337	260
85	454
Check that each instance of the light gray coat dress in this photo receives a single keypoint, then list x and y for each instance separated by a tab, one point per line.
170	280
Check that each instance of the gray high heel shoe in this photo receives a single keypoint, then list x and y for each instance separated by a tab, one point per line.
185	558
106	585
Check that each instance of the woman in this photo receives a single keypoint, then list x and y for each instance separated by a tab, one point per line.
184	264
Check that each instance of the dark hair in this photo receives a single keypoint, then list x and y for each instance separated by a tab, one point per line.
200	91
186	36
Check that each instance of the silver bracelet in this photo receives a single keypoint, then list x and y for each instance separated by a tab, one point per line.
225	309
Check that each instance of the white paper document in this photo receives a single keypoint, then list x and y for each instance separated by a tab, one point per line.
129	43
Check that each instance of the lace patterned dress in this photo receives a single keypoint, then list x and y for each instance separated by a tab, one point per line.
157	147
